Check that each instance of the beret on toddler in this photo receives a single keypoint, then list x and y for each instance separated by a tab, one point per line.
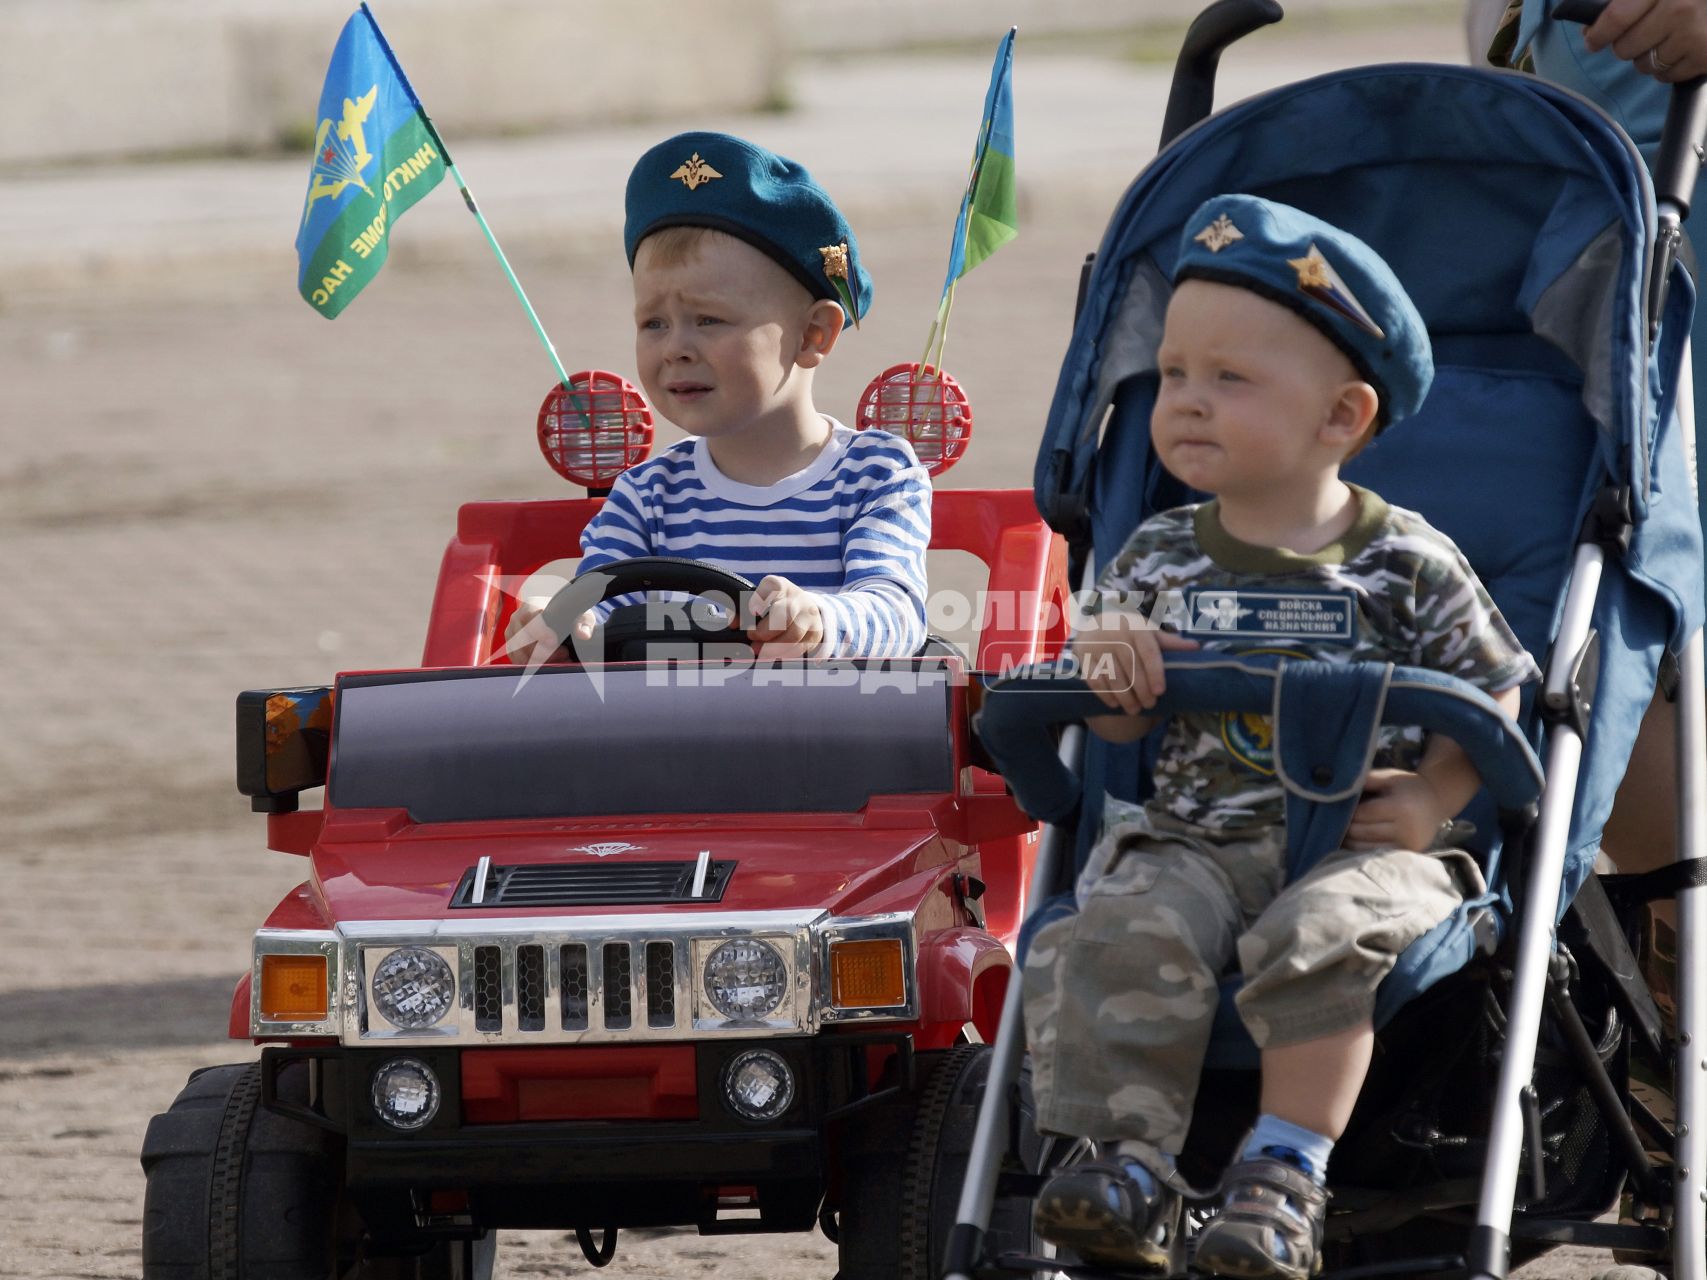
1328	276
731	185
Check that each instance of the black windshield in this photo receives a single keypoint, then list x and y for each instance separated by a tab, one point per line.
458	746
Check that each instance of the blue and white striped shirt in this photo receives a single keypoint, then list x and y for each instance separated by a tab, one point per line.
852	526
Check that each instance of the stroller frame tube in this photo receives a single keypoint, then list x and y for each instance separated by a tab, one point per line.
1689	1210
965	1244
1490	1244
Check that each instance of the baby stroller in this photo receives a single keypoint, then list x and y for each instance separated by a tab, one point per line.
1526	1083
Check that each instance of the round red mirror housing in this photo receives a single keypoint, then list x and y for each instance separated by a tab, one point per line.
595	428
924	405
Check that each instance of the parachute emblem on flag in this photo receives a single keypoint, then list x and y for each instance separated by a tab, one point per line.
340	152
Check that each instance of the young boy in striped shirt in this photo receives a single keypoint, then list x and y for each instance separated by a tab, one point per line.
745	273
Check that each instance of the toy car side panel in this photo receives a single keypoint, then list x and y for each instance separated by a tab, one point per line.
963	977
495	542
1025	605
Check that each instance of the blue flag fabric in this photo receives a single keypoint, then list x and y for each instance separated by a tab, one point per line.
375	155
988	216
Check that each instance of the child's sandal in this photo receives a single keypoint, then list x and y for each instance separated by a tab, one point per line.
1268	1225
1103	1214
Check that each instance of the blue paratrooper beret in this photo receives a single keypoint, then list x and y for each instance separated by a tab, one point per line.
731	185
1328	276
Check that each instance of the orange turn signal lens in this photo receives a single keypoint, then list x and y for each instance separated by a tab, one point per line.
293	988
867	974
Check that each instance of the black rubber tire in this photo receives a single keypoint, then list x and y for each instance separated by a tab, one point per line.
869	1155
237	1192
904	1172
177	1158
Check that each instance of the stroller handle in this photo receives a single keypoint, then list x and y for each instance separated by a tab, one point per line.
1020	711
1192	96
1679	161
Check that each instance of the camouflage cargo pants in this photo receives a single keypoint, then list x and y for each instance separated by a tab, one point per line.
1120	998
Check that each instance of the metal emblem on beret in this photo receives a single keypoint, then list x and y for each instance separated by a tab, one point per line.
835	260
1219	234
1317	277
694	172
836	268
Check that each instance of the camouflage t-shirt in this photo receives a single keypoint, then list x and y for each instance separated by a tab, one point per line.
1391	589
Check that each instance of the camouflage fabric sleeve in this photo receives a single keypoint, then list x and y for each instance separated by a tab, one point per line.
1460	630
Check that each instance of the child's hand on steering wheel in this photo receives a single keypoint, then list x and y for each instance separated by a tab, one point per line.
789	620
526	631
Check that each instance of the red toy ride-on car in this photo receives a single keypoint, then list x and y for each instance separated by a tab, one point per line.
694	944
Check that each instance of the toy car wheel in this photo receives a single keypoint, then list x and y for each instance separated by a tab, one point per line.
896	1216
235	1189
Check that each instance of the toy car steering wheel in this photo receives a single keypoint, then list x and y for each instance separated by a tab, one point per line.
627	632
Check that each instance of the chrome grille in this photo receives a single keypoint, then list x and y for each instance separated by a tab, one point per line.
619	987
573	999
530	988
660	984
572	980
488	989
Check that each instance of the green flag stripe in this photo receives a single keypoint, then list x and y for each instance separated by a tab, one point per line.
994	197
983	237
994	217
354	247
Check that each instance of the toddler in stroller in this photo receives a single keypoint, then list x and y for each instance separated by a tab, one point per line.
1522	1081
1287	344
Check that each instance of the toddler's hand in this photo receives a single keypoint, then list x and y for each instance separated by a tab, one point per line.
526	630
1122	660
790	620
1399	810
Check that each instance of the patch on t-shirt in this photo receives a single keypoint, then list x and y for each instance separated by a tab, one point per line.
1248	736
1224	613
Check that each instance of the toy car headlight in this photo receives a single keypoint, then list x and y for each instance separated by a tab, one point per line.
758	1085
406	1094
414	988
745	978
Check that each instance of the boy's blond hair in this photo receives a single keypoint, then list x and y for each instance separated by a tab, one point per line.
673	246
676	246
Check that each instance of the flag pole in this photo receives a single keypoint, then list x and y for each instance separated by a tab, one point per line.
942	341
521	294
468	198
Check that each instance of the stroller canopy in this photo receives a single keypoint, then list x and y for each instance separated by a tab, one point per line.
1520	220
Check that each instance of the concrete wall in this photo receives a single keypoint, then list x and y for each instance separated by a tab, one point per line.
847	26
96	78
